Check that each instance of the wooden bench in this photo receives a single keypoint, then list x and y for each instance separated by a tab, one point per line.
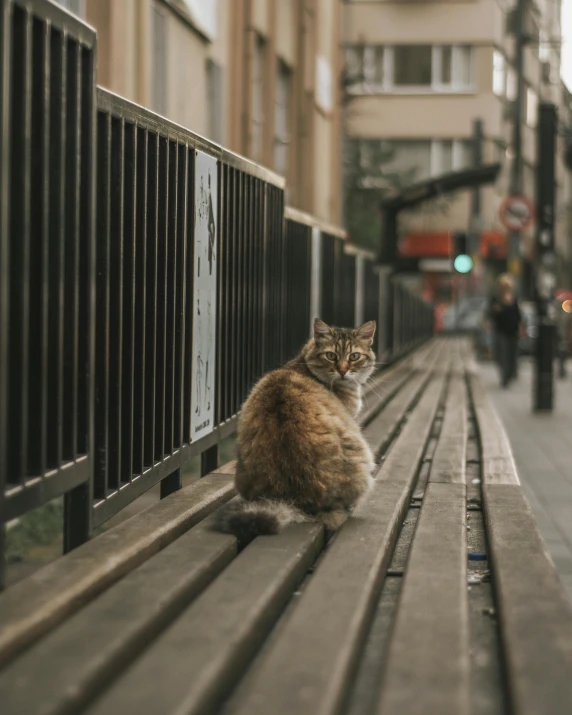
162	615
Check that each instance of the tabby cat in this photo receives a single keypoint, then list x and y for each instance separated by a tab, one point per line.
301	454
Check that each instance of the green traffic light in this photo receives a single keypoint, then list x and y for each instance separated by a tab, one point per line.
463	263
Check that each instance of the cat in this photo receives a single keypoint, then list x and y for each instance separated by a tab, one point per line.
301	455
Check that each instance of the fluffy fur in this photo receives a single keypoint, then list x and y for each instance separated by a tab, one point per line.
301	454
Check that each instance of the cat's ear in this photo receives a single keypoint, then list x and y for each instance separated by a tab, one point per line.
366	332
321	330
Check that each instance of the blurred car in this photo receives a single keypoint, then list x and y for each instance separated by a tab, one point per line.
465	316
468	316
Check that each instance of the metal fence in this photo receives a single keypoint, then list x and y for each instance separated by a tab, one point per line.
99	299
46	268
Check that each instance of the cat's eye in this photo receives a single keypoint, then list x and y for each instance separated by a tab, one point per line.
355	356
331	356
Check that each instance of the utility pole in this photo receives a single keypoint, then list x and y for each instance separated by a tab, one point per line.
545	283
516	170
475	227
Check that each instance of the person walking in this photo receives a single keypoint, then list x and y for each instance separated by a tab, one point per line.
503	283
507	319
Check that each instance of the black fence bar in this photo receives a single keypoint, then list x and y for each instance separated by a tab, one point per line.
298	264
98	212
47	62
145	256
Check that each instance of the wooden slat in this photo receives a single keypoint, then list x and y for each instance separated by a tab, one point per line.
191	667
307	669
381	429
382	389
228	468
70	665
427	670
497	458
535	616
385	385
449	458
33	606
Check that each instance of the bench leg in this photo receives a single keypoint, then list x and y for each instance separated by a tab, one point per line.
209	460
77	517
171	484
2	557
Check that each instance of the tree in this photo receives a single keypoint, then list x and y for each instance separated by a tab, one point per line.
368	177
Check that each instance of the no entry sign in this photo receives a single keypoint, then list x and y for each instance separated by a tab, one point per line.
516	213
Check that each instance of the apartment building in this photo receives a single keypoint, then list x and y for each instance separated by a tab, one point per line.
417	76
260	77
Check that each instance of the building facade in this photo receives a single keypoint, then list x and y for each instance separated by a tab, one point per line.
417	76
260	77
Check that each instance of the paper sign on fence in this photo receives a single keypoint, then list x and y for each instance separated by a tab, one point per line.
204	297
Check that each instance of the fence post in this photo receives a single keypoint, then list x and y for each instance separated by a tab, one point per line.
360	291
316	279
385	317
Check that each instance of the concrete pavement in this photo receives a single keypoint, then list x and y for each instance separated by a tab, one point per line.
542	446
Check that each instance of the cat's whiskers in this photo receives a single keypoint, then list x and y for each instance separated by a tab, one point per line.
377	390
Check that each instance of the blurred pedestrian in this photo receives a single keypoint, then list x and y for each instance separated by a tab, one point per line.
503	283
508	324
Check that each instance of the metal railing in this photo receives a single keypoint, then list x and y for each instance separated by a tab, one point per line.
46	244
100	287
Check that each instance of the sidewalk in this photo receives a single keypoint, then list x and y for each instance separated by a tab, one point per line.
542	446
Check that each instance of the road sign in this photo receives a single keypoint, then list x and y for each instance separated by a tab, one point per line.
516	213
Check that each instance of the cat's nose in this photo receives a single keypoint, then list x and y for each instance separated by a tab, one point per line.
342	369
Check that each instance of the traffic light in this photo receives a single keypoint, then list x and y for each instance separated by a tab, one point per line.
462	261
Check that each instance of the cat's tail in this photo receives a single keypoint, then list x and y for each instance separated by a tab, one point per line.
247	519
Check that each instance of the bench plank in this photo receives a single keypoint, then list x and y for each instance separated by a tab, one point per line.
381	429
307	669
385	386
60	674
497	458
428	665
450	454
535	616
197	660
32	607
383	390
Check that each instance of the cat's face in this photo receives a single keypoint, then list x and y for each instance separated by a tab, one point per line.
341	353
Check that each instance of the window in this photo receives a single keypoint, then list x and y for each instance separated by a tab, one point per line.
215	112
441	68
499	74
364	65
452	67
462	66
444	62
499	151
511	82
411	159
159	64
257	99
463	154
373	64
412	66
451	155
354	65
531	107
382	163
441	157
282	119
